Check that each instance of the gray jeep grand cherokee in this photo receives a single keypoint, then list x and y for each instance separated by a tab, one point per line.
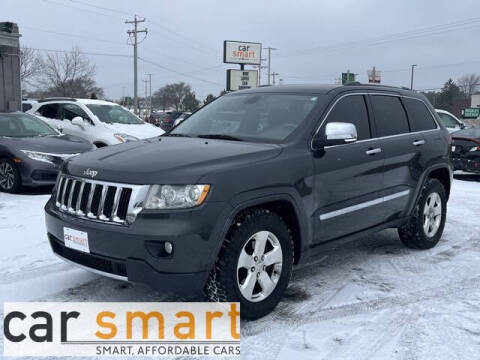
253	184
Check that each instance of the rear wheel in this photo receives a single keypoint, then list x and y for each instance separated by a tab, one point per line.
9	176
425	227
254	265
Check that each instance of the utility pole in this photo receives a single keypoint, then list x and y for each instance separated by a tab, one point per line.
411	76
269	49
150	91
133	33
273	76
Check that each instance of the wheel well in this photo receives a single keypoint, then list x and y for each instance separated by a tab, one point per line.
442	175
286	211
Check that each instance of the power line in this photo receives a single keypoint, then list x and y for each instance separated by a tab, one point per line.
83	52
177	72
427	31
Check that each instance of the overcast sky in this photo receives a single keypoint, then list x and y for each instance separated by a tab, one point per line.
316	39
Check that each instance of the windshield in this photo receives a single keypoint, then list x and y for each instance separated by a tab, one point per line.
448	121
473	133
269	117
24	125
113	114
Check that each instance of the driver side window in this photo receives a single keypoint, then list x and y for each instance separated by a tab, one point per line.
351	109
70	111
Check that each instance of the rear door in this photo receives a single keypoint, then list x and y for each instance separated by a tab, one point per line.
348	178
403	152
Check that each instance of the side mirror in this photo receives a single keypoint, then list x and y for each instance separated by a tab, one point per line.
78	121
336	133
59	129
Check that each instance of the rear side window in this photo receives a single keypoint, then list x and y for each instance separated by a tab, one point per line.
352	109
420	117
390	116
49	111
26	107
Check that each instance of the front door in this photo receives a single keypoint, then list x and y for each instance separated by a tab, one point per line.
348	178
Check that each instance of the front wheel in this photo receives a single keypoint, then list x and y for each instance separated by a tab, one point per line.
9	176
254	265
425	227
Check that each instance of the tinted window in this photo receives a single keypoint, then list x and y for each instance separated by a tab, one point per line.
71	111
113	114
49	111
24	125
352	109
448	121
261	117
420	117
26	107
390	117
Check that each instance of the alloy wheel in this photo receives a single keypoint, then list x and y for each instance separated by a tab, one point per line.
259	266
7	176
432	214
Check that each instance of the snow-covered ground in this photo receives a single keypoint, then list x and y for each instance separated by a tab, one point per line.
371	299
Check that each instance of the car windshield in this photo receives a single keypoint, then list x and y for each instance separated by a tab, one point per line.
250	117
113	114
24	125
472	133
448	121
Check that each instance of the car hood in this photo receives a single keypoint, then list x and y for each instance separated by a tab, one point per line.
64	144
140	131
169	160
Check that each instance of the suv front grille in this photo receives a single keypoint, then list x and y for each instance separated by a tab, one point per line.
98	200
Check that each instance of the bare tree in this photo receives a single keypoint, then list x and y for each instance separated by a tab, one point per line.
31	63
65	73
469	83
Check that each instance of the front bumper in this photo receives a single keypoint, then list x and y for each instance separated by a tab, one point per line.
134	253
37	173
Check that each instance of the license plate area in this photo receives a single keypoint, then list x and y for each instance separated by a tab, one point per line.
75	239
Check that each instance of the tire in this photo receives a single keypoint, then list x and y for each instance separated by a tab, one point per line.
10	180
417	233
234	269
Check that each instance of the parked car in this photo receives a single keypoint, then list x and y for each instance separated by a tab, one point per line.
181	118
167	119
31	151
449	121
252	184
100	122
466	150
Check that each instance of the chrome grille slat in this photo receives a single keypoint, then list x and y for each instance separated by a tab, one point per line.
113	203
79	200
70	196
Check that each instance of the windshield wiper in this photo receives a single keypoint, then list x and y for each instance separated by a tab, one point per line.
177	135
219	136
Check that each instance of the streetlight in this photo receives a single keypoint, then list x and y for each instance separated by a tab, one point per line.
411	76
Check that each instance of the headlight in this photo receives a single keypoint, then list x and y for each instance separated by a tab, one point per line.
176	197
125	137
46	157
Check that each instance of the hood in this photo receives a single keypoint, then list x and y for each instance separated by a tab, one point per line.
169	160
140	131
64	144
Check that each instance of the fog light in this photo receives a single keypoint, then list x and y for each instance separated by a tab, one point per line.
168	247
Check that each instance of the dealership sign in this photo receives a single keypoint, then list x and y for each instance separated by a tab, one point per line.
241	52
121	329
241	79
471	113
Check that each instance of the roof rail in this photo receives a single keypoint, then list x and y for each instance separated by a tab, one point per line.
56	99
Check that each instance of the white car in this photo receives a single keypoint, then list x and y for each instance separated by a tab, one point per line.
450	121
100	122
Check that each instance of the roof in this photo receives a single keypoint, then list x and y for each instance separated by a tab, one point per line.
323	88
76	100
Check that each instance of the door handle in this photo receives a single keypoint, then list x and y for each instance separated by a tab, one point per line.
373	151
418	142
